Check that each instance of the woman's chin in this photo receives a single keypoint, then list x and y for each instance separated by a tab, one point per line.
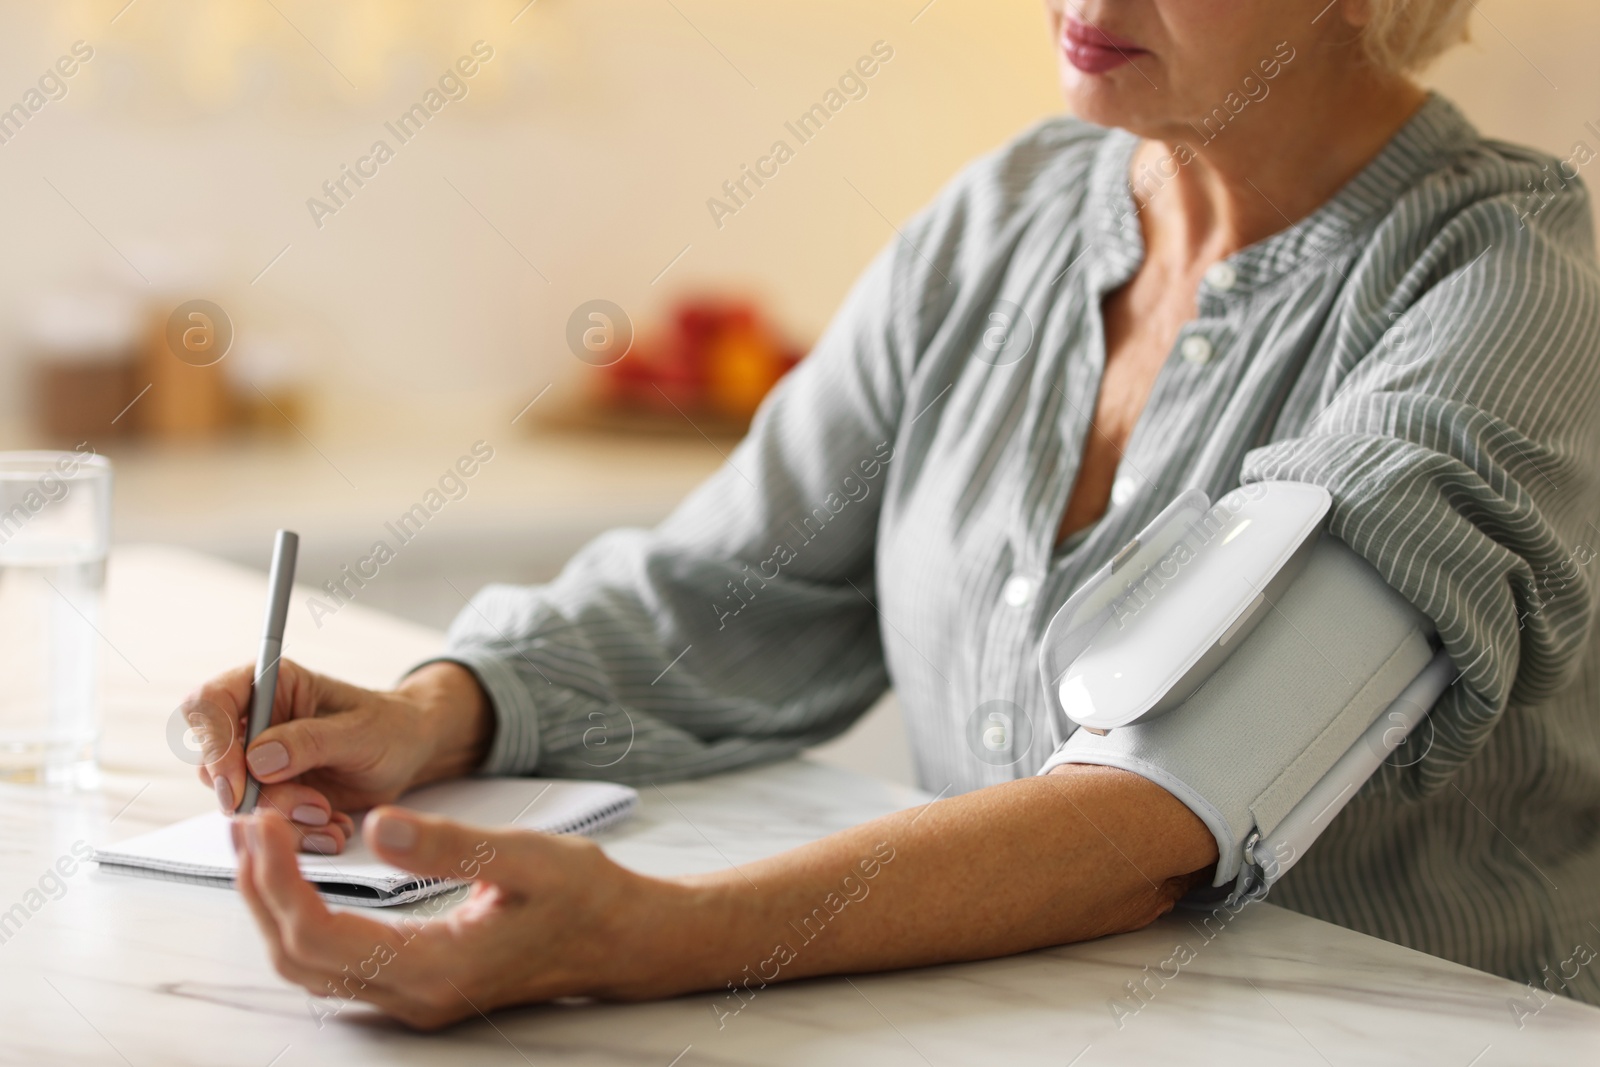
1100	107
1105	100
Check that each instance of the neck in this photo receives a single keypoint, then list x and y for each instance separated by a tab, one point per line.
1278	161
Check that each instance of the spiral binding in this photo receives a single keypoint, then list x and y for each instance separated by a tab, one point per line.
596	820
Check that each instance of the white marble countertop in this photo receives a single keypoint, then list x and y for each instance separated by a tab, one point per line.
115	970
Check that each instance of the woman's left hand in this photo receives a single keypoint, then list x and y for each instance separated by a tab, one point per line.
543	919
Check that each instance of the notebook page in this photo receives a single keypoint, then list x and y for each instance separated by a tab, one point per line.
200	850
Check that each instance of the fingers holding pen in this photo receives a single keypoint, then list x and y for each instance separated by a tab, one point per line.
337	742
215	715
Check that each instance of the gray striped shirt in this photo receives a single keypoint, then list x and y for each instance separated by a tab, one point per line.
1426	345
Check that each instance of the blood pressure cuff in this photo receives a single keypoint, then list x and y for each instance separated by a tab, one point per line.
1336	648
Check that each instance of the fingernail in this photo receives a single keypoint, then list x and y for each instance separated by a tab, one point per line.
224	794
397	833
252	834
236	832
268	758
323	844
309	815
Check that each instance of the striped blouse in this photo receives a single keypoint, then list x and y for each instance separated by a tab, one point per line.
1425	345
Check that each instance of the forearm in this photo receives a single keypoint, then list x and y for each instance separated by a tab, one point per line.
1042	861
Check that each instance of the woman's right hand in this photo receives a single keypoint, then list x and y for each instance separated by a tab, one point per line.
333	749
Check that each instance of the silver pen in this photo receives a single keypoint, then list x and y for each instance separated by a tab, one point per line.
281	584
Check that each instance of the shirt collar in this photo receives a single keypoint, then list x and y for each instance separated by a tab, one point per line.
1435	133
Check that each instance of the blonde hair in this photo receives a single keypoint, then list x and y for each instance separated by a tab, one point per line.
1403	36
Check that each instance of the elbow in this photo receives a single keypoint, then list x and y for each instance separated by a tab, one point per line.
1147	903
1150	850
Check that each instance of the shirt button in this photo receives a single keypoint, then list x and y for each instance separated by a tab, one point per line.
1197	349
1017	591
1221	276
1123	489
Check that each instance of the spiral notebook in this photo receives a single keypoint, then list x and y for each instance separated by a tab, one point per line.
199	851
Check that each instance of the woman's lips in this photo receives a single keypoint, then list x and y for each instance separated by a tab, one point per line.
1092	50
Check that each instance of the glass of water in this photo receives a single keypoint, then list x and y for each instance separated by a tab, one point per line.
55	528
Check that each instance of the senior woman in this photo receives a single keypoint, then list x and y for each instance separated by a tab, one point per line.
1259	252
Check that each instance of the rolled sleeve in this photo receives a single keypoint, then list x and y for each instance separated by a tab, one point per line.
1458	467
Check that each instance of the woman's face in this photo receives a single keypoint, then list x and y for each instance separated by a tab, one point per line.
1160	67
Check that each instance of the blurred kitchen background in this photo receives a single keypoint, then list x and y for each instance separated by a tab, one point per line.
534	266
